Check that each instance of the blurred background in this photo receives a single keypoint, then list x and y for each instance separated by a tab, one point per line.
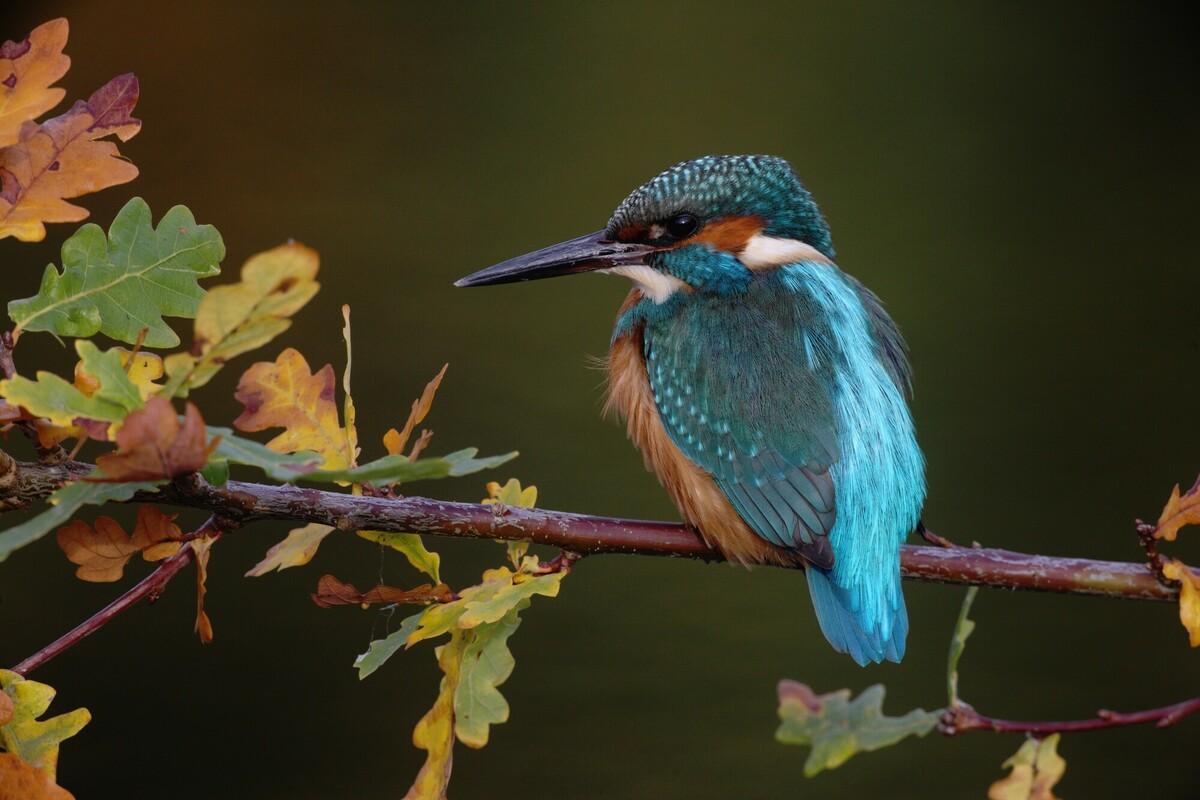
1017	182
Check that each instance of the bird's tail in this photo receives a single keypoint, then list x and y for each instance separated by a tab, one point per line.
843	627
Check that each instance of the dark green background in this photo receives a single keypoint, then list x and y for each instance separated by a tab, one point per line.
1018	183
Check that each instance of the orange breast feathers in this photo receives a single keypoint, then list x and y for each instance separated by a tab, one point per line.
697	496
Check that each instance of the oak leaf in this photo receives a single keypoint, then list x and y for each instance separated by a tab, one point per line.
286	394
64	404
395	440
63	158
836	727
334	592
63	505
153	445
22	781
32	740
202	548
296	549
412	547
434	732
1036	768
1179	511
240	317
1189	597
486	663
28	69
103	549
126	281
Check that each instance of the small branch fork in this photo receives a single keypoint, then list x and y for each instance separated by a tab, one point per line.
148	588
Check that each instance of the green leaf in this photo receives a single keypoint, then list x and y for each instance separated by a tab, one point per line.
61	402
65	502
33	741
412	547
383	649
501	591
394	469
958	643
278	466
216	471
836	728
127	281
486	663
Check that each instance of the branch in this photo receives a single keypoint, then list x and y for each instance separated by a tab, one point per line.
149	587
962	718
587	535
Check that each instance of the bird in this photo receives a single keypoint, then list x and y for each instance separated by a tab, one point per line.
767	389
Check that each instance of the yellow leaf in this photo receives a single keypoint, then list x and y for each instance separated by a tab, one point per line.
296	550
1189	597
202	547
412	547
395	440
63	158
348	406
1180	510
237	318
143	372
1036	767
29	67
435	732
32	740
286	394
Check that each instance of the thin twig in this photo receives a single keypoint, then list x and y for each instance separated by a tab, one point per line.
148	588
962	718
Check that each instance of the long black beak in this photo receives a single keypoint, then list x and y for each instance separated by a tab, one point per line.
585	254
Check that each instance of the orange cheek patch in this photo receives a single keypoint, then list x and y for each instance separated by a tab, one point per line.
729	234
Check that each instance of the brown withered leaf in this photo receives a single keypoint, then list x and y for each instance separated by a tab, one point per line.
333	592
29	67
394	440
62	158
1180	510
202	547
102	550
153	445
10	413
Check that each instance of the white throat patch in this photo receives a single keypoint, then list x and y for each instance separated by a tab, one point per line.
658	286
767	252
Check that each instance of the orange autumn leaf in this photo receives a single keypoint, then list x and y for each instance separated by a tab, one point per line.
286	394
153	445
333	592
27	70
63	158
202	547
395	440
1189	597
20	780
102	550
1179	511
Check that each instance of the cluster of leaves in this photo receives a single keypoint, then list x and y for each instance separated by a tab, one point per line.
1181	510
837	727
124	284
44	164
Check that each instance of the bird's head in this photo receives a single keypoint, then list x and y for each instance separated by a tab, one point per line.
705	225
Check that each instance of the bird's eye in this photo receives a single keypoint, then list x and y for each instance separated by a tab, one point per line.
682	226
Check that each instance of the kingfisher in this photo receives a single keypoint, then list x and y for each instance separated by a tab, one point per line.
766	388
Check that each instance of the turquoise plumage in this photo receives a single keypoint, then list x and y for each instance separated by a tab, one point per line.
774	377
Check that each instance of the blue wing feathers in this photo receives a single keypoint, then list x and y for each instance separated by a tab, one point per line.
791	397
